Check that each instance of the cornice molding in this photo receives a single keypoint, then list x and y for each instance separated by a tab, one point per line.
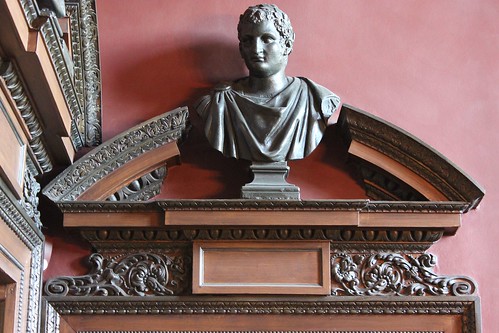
363	205
81	91
254	306
18	93
59	56
85	47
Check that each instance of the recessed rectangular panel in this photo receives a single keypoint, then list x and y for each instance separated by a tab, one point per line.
12	153
248	267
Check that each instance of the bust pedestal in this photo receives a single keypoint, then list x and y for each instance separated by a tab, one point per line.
269	183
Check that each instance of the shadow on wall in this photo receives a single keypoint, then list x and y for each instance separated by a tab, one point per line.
180	77
167	80
176	78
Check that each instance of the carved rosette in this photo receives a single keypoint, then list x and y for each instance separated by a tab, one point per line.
385	274
140	274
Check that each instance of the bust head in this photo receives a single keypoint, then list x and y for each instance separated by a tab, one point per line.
265	12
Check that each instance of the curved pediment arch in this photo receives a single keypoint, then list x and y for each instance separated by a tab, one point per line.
131	166
395	165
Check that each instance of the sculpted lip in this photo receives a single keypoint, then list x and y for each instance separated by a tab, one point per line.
257	59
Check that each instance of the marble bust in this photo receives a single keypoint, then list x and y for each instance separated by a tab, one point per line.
266	116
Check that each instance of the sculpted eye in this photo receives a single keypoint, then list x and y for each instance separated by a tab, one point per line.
268	38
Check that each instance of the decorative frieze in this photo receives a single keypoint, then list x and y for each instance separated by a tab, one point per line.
139	274
340	236
385	274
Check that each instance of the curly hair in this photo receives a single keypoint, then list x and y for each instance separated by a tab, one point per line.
266	12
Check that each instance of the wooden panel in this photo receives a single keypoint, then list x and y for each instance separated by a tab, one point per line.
14	266
427	220
139	219
12	151
282	323
7	309
398	170
261	268
267	218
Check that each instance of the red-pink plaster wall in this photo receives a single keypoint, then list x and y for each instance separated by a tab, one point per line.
430	67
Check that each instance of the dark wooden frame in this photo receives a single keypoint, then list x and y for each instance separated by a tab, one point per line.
207	314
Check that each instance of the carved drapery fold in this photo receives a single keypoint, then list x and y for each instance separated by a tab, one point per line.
385	274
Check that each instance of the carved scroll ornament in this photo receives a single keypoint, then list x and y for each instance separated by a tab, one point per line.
385	274
140	274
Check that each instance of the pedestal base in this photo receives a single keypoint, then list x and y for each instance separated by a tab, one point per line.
269	183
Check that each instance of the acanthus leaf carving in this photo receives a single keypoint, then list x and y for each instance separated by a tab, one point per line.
393	274
140	274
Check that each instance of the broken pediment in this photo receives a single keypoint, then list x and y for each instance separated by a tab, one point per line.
394	165
175	254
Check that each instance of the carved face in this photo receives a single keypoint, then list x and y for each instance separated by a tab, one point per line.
261	48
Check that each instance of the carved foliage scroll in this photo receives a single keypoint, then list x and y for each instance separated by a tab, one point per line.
393	274
140	274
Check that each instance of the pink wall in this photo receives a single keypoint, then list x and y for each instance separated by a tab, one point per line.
429	67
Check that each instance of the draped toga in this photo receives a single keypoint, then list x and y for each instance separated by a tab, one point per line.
286	126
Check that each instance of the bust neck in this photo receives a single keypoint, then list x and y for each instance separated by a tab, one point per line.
263	87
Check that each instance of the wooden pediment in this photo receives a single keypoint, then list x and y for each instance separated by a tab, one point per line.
130	166
397	166
362	263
